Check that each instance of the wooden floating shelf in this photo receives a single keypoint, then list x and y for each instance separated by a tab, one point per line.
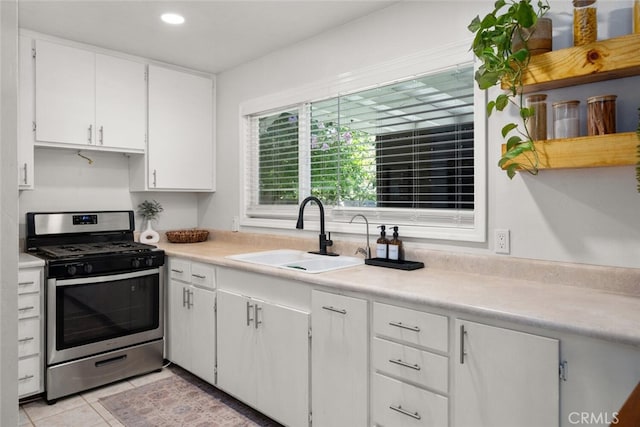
617	149
602	60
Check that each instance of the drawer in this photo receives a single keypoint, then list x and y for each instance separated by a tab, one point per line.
421	367
396	404
28	336
203	275
28	281
179	269
29	376
28	305
411	326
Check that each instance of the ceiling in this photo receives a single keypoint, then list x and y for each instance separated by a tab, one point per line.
217	34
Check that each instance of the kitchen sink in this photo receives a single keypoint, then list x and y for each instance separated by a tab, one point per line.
298	260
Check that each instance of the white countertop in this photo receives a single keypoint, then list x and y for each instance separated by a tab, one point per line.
27	261
597	313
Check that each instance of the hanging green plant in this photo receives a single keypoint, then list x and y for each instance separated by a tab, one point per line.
493	46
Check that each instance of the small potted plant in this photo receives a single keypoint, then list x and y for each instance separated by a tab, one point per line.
150	210
501	63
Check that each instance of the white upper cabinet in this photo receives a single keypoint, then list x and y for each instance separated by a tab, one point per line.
88	99
25	114
120	103
180	149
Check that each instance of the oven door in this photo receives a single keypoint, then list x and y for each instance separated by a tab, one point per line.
92	315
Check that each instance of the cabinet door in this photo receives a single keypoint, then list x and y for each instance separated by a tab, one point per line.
505	378
203	335
180	331
65	100
120	103
339	353
180	151
25	114
282	363
237	347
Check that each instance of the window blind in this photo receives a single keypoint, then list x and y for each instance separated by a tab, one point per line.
401	153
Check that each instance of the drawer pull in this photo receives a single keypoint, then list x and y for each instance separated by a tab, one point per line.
177	271
403	326
335	310
26	377
26	283
27	339
26	308
405	364
403	411
199	276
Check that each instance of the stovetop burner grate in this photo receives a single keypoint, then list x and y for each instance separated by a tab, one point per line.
101	248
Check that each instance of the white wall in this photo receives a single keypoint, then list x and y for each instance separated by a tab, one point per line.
8	214
584	216
65	181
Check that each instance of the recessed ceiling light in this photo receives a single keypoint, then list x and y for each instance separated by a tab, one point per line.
172	18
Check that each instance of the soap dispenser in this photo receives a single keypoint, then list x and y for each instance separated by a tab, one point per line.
395	246
382	244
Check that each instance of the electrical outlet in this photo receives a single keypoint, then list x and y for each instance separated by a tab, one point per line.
501	245
235	224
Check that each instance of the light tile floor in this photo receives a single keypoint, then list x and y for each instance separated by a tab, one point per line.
82	410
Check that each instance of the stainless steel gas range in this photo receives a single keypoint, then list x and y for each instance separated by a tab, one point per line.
104	299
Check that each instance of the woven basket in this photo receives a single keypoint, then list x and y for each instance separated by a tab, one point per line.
187	236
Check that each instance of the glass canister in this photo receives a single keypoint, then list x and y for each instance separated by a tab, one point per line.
566	119
601	114
537	124
585	22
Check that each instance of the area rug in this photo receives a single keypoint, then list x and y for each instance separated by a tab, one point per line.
181	400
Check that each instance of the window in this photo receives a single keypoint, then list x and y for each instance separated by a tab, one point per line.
404	153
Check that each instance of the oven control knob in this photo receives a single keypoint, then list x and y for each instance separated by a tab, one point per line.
135	263
71	270
88	268
149	262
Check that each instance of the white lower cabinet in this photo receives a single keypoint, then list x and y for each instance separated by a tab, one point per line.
263	356
30	330
504	378
191	337
410	367
398	404
339	354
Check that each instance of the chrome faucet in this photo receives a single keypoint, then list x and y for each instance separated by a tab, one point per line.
324	242
367	252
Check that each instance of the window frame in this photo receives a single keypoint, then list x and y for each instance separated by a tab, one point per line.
426	62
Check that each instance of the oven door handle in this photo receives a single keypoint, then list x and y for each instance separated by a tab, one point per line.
106	278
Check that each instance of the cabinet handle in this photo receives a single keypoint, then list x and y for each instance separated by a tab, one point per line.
26	283
335	310
405	364
184	297
403	326
27	339
26	308
101	138
199	276
189	299
26	377
249	307
403	411
256	308
25	180
462	352
90	139
177	271
154	178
